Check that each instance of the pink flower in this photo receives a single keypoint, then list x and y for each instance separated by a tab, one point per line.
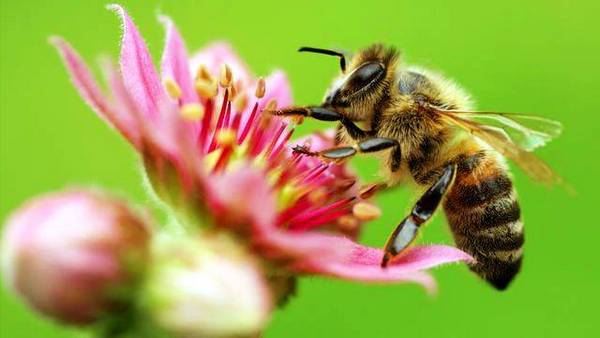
213	157
72	254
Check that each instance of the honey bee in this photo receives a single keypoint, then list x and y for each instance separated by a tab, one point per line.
425	130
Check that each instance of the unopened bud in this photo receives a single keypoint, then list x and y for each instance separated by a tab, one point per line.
207	287
74	255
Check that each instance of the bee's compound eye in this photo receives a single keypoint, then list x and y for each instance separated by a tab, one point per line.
365	75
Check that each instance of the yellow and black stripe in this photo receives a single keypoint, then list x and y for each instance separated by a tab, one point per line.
485	217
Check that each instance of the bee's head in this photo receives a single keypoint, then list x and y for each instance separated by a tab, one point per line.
362	82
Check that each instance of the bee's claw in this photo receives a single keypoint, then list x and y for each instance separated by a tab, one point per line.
304	150
386	258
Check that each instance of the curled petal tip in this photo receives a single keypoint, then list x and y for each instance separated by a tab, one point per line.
139	75
165	20
55	40
116	8
428	282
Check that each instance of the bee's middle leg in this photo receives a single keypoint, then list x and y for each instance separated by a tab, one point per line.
336	154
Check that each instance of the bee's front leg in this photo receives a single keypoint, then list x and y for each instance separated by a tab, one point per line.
324	114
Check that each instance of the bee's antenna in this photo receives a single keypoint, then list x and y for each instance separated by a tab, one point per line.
326	52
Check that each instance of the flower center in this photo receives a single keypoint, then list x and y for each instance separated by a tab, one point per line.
232	133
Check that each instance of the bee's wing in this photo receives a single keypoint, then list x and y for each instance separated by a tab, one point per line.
513	135
527	131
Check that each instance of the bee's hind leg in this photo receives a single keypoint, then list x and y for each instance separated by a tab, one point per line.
406	232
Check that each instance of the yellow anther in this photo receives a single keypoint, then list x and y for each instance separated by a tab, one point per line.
260	88
204	74
297	120
240	102
192	111
365	211
348	222
317	196
232	92
226	137
172	88
206	88
271	105
368	191
226	76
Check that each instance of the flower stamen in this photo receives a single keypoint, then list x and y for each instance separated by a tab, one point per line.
226	76
172	88
315	172
249	124
365	211
260	88
322	215
271	105
223	118
240	102
348	223
206	88
204	74
192	111
226	137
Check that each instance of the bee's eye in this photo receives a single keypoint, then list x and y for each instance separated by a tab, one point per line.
365	75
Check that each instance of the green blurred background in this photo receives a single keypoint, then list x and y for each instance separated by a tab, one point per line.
531	56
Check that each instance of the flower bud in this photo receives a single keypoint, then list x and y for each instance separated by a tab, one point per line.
206	287
74	255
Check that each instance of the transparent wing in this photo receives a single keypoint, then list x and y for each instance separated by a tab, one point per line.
527	131
509	135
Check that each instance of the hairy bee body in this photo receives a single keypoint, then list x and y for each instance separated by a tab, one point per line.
425	131
481	205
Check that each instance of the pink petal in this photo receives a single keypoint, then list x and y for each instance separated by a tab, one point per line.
139	75
319	140
362	263
375	274
417	258
328	255
88	88
163	131
243	197
124	107
302	246
217	54
277	88
175	62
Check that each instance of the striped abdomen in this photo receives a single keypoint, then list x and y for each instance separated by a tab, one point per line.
484	217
